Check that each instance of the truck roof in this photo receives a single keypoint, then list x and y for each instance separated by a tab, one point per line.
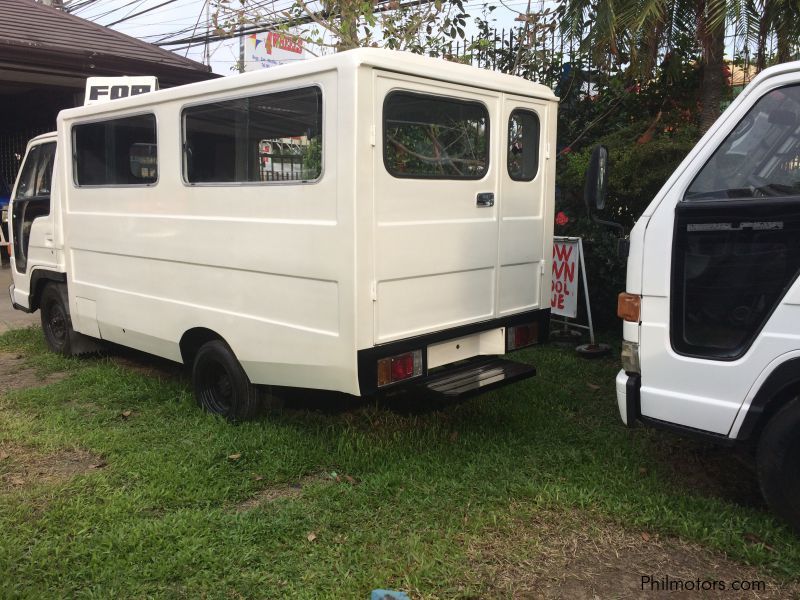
388	60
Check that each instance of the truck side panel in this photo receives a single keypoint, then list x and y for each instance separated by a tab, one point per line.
269	267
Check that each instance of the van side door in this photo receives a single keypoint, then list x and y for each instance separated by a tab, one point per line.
31	220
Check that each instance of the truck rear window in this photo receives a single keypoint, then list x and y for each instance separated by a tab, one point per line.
265	138
433	137
523	145
116	152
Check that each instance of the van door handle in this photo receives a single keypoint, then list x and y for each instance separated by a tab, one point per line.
485	199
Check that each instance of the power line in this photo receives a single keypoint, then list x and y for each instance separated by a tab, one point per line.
141	12
380	6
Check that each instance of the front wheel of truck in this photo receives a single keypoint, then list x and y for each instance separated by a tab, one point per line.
778	461
56	320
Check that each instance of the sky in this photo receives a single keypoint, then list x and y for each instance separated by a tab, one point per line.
153	20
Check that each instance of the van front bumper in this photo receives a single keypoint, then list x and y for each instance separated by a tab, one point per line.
628	397
14	302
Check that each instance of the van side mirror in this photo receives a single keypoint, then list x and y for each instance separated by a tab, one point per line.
594	190
594	194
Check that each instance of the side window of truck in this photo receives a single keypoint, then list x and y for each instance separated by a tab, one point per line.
116	152
258	139
37	173
523	145
433	137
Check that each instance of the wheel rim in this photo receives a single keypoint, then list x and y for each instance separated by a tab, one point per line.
217	389
57	323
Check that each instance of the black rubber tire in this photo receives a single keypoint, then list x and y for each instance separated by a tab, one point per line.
56	320
778	463
220	384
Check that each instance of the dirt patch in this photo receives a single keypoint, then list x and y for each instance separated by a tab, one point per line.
282	491
579	557
22	466
18	375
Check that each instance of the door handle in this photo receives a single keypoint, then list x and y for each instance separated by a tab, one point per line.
485	199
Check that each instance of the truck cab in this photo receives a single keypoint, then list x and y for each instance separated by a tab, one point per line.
711	326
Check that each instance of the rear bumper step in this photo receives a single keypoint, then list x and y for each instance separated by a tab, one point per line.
478	377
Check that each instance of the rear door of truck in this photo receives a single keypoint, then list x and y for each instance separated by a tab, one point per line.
459	207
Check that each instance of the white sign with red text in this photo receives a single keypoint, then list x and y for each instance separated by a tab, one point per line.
271	48
564	284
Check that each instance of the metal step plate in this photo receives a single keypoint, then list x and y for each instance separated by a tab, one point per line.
478	377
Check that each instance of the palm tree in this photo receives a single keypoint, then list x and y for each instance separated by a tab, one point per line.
760	18
636	33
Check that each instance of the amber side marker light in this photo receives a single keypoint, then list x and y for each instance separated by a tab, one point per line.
628	307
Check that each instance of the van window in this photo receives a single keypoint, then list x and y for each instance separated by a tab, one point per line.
760	157
265	138
36	176
434	137
116	152
523	145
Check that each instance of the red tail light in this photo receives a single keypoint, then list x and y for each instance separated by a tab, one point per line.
520	336
399	367
402	367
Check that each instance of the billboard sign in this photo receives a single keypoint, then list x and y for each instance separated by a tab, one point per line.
270	48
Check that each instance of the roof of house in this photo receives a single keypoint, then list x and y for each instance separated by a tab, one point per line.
43	38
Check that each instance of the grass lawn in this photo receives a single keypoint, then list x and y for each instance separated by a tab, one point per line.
113	484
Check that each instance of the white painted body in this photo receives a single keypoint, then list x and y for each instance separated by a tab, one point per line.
297	277
709	395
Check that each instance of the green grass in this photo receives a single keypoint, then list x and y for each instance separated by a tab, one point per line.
160	518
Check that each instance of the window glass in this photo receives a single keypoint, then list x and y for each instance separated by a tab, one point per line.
761	156
270	137
729	273
37	172
113	152
523	145
433	137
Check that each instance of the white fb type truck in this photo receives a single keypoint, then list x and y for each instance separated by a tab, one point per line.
712	304
358	222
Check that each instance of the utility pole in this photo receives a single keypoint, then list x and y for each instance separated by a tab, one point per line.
241	38
206	51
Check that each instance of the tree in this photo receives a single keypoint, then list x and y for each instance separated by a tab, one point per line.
421	26
637	34
758	19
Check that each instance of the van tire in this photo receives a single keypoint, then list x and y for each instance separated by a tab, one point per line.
56	321
221	386
778	462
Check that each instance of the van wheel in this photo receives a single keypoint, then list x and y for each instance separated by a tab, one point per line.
221	386
778	461
56	321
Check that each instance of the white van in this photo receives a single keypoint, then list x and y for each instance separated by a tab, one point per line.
712	303
355	222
